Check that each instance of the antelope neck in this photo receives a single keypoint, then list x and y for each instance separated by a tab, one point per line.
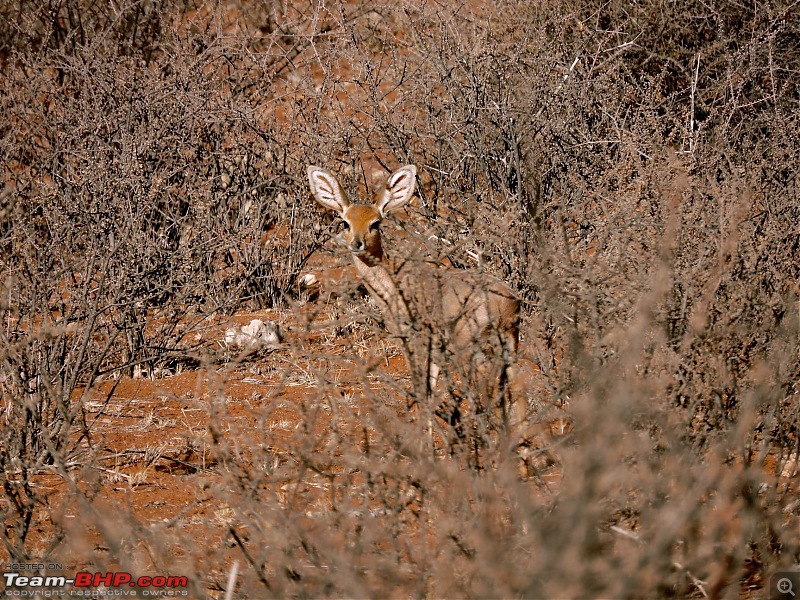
370	259
383	288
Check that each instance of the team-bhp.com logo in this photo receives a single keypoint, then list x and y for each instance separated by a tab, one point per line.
94	585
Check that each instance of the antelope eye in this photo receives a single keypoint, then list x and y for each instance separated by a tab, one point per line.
375	226
345	225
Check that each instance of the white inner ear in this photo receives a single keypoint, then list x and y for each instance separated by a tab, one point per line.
399	190
326	189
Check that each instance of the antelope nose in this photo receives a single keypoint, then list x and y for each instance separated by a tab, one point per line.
357	245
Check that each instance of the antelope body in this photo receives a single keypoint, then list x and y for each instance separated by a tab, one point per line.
439	315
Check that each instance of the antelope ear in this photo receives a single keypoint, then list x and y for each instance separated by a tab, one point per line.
327	190
398	191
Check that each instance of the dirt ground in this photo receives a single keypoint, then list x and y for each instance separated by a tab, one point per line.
157	464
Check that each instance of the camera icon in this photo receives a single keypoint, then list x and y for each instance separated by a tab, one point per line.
785	586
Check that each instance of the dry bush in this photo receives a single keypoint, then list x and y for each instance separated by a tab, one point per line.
630	170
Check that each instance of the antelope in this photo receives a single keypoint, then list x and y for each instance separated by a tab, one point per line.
438	314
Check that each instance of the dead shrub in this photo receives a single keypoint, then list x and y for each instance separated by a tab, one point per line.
631	171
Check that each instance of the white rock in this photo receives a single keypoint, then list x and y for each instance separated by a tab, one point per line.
254	336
